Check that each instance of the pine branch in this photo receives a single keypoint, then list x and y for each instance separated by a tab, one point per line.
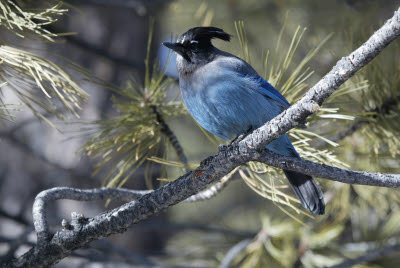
166	130
26	148
97	50
16	218
15	244
131	256
369	256
50	250
57	193
327	172
174	226
311	101
135	4
233	252
384	109
208	193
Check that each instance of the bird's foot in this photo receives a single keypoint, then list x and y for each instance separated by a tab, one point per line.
241	137
222	147
238	139
303	125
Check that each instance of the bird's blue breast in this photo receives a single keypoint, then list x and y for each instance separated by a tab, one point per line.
228	103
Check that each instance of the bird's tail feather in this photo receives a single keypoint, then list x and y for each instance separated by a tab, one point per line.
307	191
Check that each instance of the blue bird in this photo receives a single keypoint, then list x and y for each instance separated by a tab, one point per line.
227	97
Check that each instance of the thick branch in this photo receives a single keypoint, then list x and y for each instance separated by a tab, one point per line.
57	193
328	172
267	157
211	169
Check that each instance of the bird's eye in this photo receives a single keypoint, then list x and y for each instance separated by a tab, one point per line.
194	44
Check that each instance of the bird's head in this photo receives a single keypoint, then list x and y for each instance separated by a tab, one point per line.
195	44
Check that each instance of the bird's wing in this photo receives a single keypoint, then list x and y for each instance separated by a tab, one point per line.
264	88
267	90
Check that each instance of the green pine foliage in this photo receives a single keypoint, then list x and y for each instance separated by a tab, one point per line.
40	85
125	142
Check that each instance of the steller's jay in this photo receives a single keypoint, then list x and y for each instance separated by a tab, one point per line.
227	97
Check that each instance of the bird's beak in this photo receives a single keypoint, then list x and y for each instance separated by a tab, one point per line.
177	47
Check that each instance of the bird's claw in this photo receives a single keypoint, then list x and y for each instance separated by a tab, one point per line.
221	147
303	125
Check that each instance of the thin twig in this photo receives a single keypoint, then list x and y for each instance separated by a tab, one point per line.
196	227
17	142
97	50
384	109
16	218
208	193
166	130
213	190
131	256
14	244
369	256
327	172
139	5
233	252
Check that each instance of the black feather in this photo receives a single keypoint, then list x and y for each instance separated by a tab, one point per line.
204	34
308	192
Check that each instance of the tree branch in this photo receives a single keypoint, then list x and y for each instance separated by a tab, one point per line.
57	193
384	109
310	102
212	191
139	5
99	51
166	130
211	169
370	256
327	172
16	218
233	252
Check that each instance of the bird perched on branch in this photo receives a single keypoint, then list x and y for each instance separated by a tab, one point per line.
227	97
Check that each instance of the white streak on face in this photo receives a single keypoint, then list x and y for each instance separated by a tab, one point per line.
194	42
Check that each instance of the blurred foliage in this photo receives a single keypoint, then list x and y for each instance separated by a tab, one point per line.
22	22
124	142
41	85
381	102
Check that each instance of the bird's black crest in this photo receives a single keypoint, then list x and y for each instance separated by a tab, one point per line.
204	33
